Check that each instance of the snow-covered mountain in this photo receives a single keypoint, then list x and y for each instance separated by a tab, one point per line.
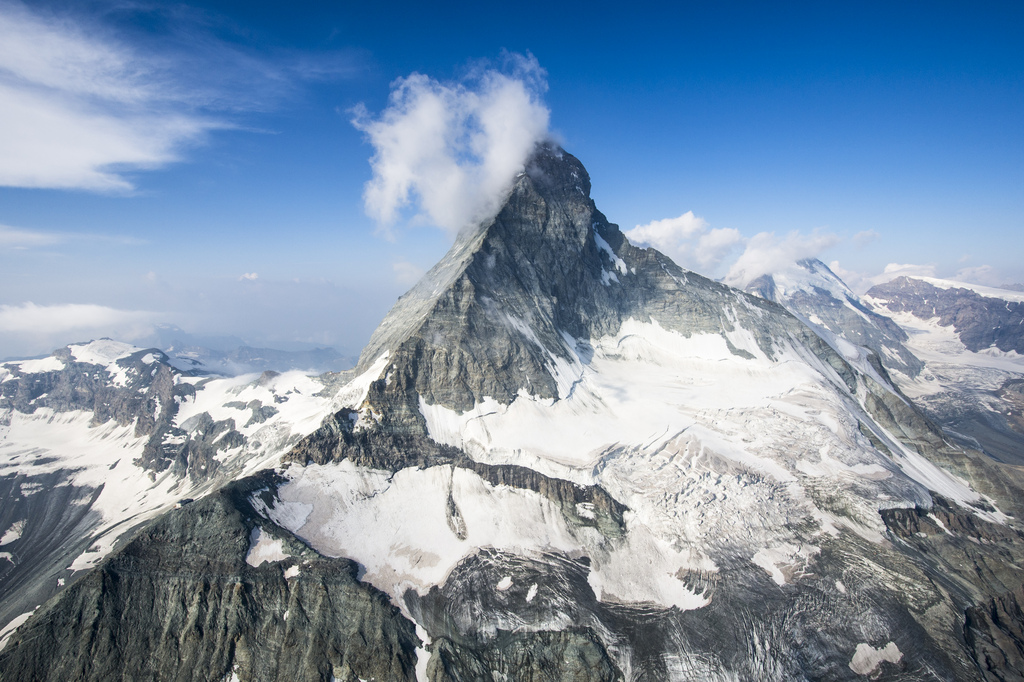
813	293
562	457
972	341
100	437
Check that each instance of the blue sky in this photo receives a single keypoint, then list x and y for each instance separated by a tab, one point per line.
197	164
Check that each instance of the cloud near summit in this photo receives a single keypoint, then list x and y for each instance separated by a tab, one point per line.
449	151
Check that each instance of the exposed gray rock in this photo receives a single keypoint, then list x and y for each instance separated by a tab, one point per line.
980	322
55	517
180	602
568	655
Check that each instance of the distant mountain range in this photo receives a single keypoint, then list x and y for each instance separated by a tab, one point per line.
560	457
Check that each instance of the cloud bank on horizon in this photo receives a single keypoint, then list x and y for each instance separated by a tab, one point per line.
50	326
450	150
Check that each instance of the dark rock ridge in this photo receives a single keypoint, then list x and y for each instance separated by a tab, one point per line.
833	306
372	448
981	322
55	518
995	631
180	602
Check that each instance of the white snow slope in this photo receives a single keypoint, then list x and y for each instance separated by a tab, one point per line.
715	456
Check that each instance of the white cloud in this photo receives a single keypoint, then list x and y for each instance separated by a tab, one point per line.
84	104
668	234
17	238
452	150
50	319
766	253
980	274
249	276
894	270
407	273
687	240
80	108
857	281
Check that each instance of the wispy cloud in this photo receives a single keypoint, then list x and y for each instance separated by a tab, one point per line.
865	237
860	282
82	106
17	238
692	243
451	150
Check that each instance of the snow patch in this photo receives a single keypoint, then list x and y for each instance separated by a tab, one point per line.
412	545
264	548
788	557
13	533
48	364
867	659
619	264
422	654
101	352
9	629
504	584
531	593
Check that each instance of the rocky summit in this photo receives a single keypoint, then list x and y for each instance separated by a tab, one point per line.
560	457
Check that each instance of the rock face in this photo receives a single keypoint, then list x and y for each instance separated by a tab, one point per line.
518	296
182	602
562	457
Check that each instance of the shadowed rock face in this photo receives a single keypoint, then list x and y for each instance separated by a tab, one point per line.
980	322
180	602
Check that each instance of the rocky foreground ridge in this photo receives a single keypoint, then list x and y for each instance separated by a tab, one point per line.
562	457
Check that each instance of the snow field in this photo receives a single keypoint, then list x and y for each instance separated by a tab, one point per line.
706	448
398	527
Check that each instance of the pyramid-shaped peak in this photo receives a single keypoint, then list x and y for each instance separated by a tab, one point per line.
554	171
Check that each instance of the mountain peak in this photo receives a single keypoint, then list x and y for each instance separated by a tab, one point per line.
513	307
